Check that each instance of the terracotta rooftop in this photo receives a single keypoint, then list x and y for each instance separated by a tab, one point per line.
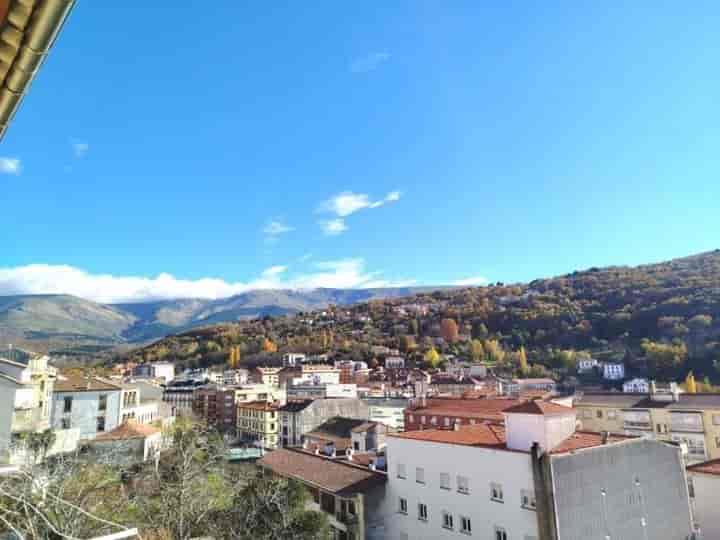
128	430
333	476
77	383
259	406
707	467
539	407
492	435
483	409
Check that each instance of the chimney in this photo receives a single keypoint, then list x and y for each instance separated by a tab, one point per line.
349	453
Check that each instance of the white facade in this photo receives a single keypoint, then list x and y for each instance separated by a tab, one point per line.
586	364
707	495
163	370
548	430
293	359
457	480
636	386
613	371
394	362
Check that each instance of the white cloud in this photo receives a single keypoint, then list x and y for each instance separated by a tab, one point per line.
368	63
80	148
107	288
471	281
333	227
276	227
347	202
10	165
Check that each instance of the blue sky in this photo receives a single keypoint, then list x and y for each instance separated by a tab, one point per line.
233	145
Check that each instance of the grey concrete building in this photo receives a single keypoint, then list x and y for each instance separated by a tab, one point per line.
300	417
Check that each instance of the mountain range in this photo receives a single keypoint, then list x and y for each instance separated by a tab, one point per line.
72	325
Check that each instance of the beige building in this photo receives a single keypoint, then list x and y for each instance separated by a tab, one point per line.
692	419
26	387
257	423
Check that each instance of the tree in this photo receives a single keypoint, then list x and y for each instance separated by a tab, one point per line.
407	343
664	358
234	357
523	361
477	351
479	330
432	358
449	330
268	346
414	327
269	509
494	351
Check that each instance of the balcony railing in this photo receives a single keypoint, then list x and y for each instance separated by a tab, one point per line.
637	425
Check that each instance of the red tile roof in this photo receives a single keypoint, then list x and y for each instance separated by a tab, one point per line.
706	467
492	435
483	409
539	407
329	475
128	430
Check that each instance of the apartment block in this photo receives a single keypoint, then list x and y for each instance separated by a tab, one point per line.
300	417
257	423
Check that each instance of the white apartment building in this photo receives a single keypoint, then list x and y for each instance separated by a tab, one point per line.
394	362
637	385
613	371
293	359
705	481
533	478
585	365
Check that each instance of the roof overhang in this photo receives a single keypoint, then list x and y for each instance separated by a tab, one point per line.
28	29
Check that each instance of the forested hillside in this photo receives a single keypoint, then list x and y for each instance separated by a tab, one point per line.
661	319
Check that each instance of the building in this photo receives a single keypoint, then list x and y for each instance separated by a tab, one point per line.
705	481
516	387
257	423
692	419
461	369
389	411
155	370
217	406
269	376
586	365
28	31
636	386
333	438
235	376
26	387
293	359
394	362
318	374
137	407
259	392
536	478
368	437
179	394
128	443
88	403
613	371
300	417
352	496
320	391
445	412
446	384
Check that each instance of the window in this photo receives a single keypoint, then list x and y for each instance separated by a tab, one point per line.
717	442
422	512
598	413
447	422
356	446
465	525
716	419
587	413
447	520
401	471
500	534
100	423
65	423
463	484
411	418
403	506
612	415
496	492
433	420
444	481
527	499
67	404
420	475
422	419
102	406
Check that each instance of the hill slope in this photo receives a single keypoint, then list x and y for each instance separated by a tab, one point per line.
68	323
